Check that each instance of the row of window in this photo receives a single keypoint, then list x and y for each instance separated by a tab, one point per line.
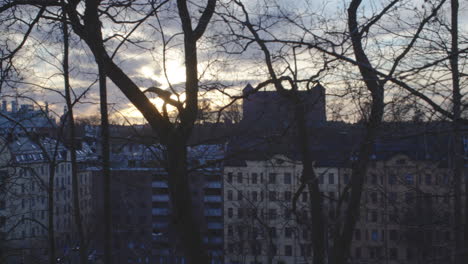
409	197
256	248
258	232
273	178
272	214
401	253
272	196
423	236
408	179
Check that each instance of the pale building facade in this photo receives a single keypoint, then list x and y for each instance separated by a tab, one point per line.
406	213
260	226
25	171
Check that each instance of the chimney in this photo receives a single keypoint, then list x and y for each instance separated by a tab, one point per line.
47	107
14	106
4	105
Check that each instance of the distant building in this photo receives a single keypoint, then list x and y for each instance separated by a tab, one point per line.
406	212
25	119
131	214
26	168
269	110
206	186
260	226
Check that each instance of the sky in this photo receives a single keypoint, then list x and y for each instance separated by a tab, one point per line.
144	62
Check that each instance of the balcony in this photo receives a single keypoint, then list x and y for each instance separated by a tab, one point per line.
160	225
160	211
212	198
213	184
160	198
213	212
215	225
213	240
159	184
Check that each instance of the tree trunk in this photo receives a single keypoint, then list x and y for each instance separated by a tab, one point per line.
50	211
70	120
105	164
460	255
342	243
183	215
310	178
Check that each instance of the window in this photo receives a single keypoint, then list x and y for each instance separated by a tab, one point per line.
287	214
409	179
272	214
254	178
331	178
373	216
357	252
240	231
230	230
239	195
392	196
272	178
273	231
306	250
288	250
357	234
393	217
393	253
287	196
374	197
254	196
2	205
287	178
230	213
256	250
346	178
272	196
321	179
392	179
229	178
373	179
288	232
239	177
229	195
409	254
273	249
304	197
375	235
240	213
409	197
428	179
393	235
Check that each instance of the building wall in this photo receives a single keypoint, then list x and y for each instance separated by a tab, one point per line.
405	214
267	109
206	188
131	215
24	204
259	222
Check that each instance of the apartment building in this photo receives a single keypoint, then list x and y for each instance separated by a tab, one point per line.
207	199
406	212
131	215
259	224
26	169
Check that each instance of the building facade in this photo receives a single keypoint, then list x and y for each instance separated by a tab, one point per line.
260	225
